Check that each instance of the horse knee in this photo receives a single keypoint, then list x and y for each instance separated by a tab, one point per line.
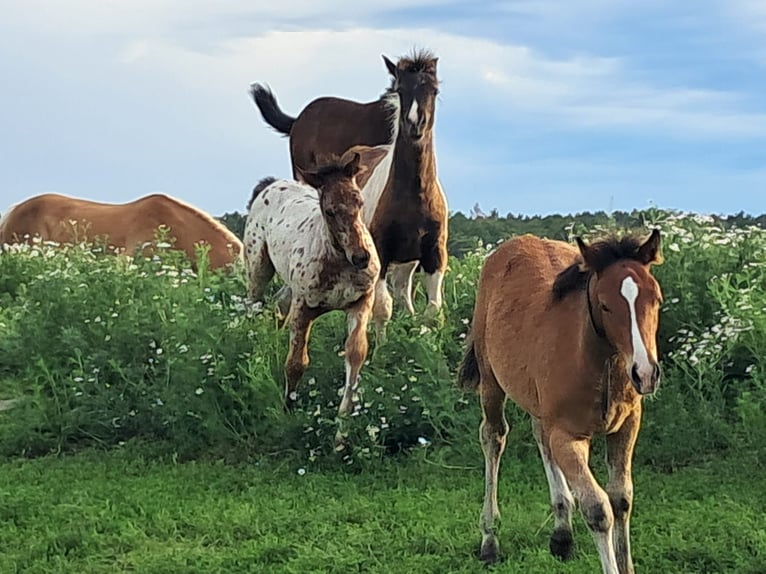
621	504
598	515
493	433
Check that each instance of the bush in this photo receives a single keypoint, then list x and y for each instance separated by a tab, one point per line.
109	349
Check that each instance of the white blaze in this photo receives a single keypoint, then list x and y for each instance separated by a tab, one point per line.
629	291
413	113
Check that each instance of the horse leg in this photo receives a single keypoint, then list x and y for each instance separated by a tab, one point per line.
562	501
571	455
401	283
298	356
619	457
260	270
493	432
434	263
283	299
382	309
356	349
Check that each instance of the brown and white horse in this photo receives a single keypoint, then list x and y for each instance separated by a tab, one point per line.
127	226
571	337
313	236
404	205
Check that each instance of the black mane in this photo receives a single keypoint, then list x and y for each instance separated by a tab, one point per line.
418	62
259	187
603	254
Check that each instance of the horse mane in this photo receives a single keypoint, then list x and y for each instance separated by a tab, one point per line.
203	216
418	62
259	187
604	253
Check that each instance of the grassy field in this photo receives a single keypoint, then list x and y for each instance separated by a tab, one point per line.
127	512
147	432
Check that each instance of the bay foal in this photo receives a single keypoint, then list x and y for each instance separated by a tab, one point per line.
312	234
570	335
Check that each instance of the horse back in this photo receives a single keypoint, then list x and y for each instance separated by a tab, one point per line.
333	125
518	331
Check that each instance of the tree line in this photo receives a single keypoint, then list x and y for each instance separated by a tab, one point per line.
466	233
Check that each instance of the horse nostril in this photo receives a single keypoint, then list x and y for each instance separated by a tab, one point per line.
635	376
360	260
656	373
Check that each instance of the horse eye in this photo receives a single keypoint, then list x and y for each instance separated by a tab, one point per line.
329	213
604	308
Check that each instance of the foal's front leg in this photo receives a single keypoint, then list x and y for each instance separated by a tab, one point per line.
298	356
571	454
356	348
619	457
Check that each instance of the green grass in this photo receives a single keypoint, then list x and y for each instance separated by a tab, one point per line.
131	512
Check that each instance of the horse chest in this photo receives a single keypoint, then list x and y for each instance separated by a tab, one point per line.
336	286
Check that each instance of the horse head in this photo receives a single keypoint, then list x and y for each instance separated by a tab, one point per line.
414	79
338	179
624	302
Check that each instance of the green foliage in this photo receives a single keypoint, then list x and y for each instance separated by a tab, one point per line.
105	349
131	511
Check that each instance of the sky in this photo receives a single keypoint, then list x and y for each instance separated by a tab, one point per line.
546	106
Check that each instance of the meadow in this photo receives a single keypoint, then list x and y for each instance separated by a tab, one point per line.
148	434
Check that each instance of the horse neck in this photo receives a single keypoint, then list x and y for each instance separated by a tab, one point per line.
414	164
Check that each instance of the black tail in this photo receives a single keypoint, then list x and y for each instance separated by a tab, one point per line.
468	371
270	111
259	187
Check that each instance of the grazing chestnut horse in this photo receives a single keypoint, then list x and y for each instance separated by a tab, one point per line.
572	339
313	236
127	226
404	205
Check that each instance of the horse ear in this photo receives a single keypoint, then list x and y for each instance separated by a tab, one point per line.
585	252
369	158
391	66
649	252
351	161
307	176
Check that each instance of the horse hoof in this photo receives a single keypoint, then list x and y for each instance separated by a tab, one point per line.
562	544
490	551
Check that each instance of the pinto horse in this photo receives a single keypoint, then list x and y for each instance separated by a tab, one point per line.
571	337
404	205
311	233
127	226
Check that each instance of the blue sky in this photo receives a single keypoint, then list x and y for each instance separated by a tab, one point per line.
546	106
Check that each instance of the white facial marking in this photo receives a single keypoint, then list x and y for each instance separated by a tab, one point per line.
413	113
629	291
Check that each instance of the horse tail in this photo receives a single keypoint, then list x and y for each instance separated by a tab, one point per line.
267	104
259	187
468	372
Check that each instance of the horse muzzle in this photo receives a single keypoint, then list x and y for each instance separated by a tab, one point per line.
361	260
646	378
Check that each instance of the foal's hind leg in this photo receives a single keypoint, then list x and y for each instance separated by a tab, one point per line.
562	502
356	349
260	269
493	432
